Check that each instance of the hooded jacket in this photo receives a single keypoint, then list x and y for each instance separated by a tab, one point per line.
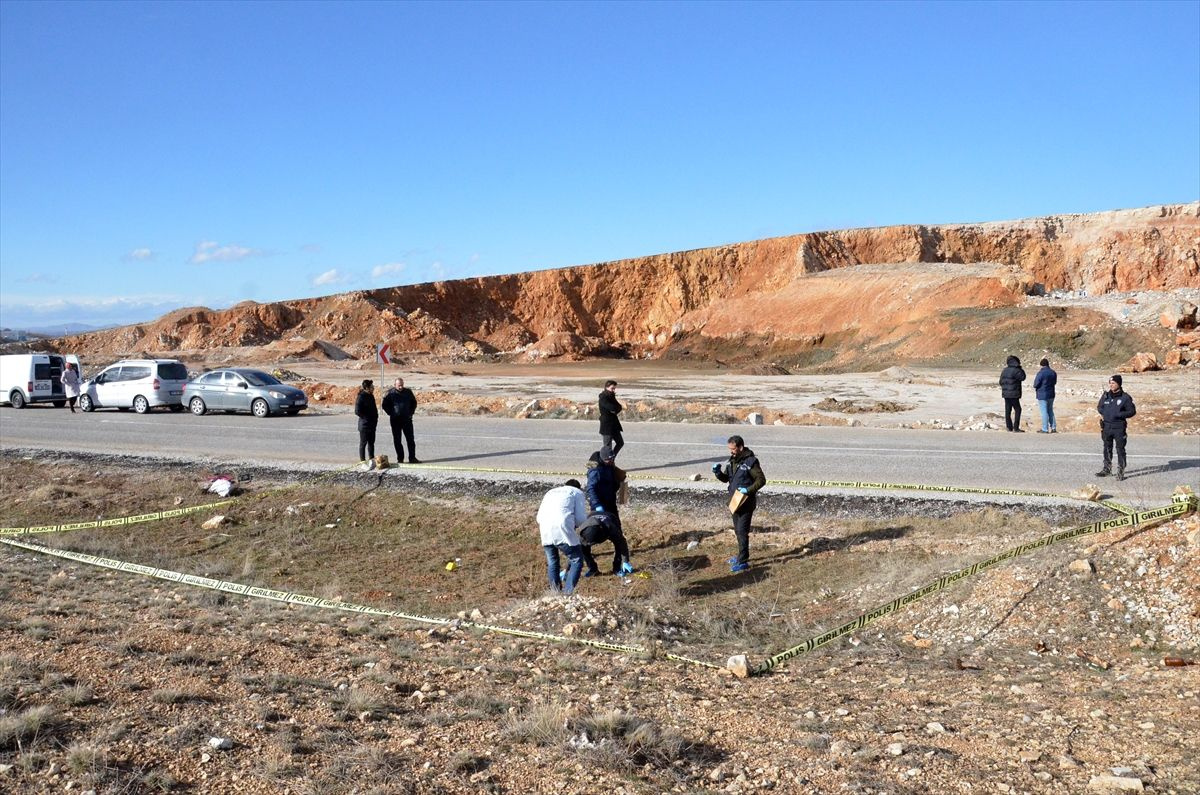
602	483
1011	378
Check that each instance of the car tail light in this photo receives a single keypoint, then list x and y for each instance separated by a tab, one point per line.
28	387
155	385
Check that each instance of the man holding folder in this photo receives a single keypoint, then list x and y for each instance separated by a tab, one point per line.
745	477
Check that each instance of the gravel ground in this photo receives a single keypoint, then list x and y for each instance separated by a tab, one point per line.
1044	674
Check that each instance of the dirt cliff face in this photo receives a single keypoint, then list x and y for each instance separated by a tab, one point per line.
830	299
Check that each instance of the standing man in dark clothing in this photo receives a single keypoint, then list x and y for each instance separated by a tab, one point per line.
368	417
745	477
610	423
603	480
598	528
1043	384
1115	407
1010	388
400	404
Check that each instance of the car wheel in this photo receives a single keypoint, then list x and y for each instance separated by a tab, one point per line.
58	404
259	408
177	407
141	405
17	398
86	404
197	407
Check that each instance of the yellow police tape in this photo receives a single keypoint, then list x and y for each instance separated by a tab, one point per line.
1180	505
114	522
291	597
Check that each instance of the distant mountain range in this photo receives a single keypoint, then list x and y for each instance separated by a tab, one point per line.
60	330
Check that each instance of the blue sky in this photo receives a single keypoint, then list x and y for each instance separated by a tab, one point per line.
157	155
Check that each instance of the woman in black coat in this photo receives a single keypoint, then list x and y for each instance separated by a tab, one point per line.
1010	389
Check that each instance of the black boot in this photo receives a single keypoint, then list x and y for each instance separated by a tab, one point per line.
1120	474
1103	473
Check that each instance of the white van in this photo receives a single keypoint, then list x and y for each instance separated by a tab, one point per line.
138	384
34	378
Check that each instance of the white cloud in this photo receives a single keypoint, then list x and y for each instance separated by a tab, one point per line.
332	276
38	278
379	271
140	255
211	251
29	312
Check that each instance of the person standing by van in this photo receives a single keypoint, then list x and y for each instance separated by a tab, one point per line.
368	418
70	383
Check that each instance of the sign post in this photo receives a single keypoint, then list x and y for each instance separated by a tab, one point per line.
382	355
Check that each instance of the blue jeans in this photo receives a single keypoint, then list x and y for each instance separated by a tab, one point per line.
1047	408
574	566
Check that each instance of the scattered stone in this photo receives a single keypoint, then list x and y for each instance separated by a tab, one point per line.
754	418
1140	363
696	476
738	665
215	522
933	727
220	743
1081	567
1090	492
896	749
1107	783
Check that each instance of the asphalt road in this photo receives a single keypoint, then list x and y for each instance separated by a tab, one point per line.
1056	463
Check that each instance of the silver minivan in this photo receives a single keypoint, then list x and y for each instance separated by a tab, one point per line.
138	384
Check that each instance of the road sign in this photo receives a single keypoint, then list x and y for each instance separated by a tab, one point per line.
382	354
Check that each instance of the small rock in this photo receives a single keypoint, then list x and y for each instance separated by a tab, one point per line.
214	523
738	665
220	743
754	418
842	748
696	476
933	727
1029	756
1090	493
1107	783
1067	762
1082	567
693	544
206	757
896	749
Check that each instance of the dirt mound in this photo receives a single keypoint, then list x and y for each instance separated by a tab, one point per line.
815	299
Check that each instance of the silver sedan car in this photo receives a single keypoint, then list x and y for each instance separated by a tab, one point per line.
238	389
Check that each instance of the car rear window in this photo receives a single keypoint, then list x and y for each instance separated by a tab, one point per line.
172	371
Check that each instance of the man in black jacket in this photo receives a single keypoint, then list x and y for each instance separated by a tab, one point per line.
610	423
1115	407
368	418
744	476
1010	389
400	404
